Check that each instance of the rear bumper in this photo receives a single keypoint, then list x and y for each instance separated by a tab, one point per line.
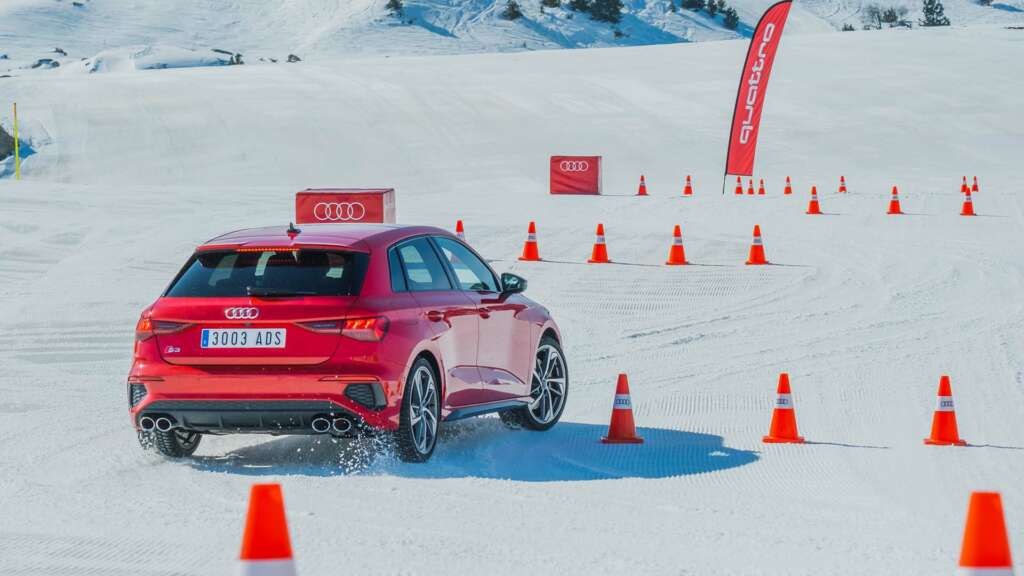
285	402
249	416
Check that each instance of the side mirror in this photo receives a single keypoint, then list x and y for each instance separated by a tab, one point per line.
511	284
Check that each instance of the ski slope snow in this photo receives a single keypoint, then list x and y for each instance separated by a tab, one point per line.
865	311
317	29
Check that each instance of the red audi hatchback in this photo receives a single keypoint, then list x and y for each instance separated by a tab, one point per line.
341	329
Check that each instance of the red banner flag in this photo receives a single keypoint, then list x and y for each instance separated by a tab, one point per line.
575	174
746	118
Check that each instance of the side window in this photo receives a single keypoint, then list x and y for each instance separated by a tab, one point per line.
423	270
395	267
470	272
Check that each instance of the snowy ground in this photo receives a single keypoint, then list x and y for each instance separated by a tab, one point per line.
864	310
31	30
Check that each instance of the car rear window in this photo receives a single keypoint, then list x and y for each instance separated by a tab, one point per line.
271	273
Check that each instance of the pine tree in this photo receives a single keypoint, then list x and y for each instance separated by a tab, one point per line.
730	18
580	5
395	7
934	14
695	5
712	8
871	15
6	144
551	3
606	10
511	11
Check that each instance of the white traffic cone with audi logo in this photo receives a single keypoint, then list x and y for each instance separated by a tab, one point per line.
266	547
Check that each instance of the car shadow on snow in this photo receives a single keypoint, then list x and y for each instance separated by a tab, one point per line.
485	448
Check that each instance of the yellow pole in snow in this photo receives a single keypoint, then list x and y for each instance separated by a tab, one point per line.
17	155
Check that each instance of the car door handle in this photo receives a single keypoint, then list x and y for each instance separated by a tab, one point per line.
435	316
484	312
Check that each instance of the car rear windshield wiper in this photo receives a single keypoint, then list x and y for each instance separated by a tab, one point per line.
276	293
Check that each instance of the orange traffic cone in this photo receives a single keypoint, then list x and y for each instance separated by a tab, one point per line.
789	187
530	251
813	207
750	187
688	189
963	186
676	254
968	208
986	548
894	202
266	548
974	187
460	232
760	187
600	253
643	187
842	184
783	427
739	186
944	432
622	430
757	248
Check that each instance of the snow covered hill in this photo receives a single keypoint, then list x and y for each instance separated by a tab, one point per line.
864	310
30	30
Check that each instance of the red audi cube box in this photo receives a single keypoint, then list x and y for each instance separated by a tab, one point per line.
575	174
352	205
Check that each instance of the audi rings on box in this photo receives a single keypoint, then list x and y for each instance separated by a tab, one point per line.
339	211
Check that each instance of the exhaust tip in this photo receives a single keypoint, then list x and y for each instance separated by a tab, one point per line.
341	425
163	424
146	424
321	425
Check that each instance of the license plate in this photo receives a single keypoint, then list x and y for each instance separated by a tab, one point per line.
243	338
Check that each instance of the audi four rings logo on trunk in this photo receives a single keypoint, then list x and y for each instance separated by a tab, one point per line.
241	313
574	166
338	211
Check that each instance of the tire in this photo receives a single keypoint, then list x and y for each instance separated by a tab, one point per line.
420	415
549	389
175	443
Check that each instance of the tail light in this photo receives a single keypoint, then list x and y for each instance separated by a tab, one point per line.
323	326
147	328
144	329
366	329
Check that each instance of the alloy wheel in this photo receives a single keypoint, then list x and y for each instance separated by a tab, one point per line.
423	410
547	387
